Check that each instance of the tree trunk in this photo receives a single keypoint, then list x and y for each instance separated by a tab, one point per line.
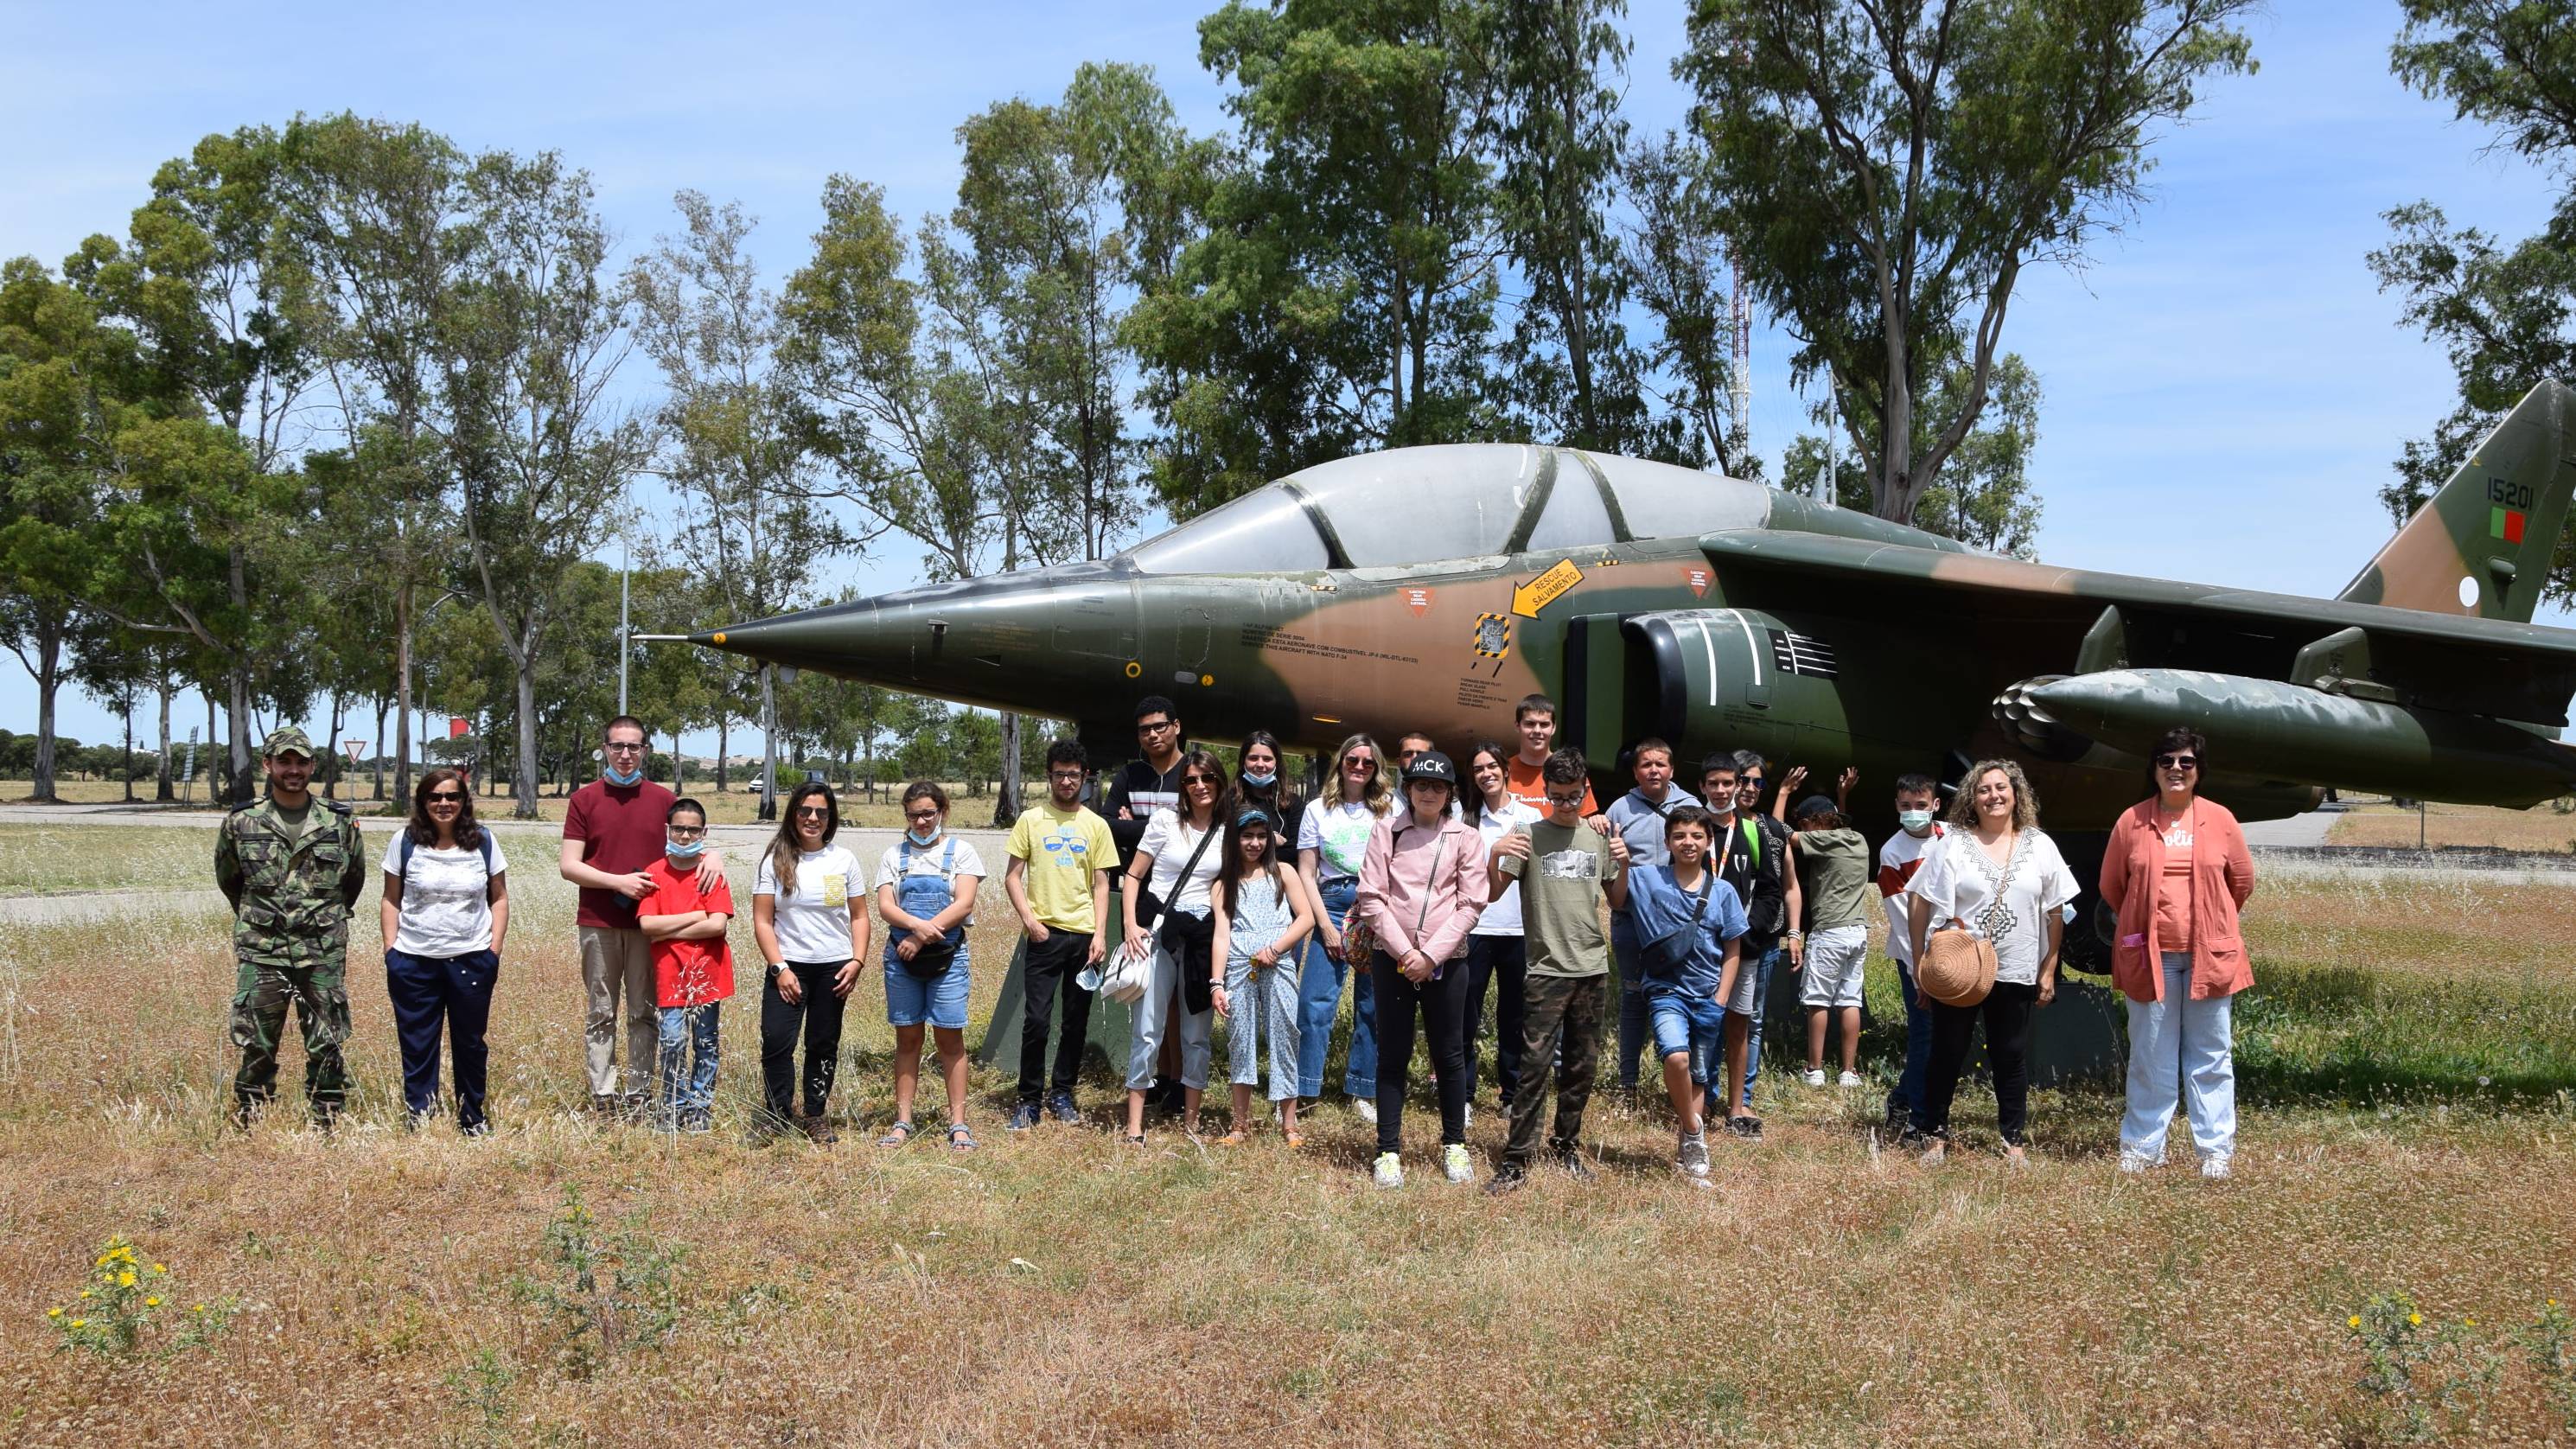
162	785
402	694
1006	792
379	743
129	747
524	773
724	735
678	778
768	742
237	746
331	752
49	678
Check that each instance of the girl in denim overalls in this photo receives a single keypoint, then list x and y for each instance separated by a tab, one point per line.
926	892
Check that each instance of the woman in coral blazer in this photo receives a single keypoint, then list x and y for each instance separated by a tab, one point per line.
2176	872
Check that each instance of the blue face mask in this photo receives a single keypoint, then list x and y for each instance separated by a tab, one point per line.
619	777
1914	821
685	849
1261	782
922	837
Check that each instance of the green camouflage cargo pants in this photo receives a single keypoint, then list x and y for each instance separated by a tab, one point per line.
319	992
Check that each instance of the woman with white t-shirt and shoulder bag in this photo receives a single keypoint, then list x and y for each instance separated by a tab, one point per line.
1170	920
1987	919
812	929
446	909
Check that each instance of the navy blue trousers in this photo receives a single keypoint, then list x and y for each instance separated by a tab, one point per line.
430	993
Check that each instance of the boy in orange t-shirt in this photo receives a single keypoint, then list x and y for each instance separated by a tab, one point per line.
1535	719
692	967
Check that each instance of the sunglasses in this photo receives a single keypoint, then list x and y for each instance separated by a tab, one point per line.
445	797
813	812
1154	727
1348	760
2177	762
1208	780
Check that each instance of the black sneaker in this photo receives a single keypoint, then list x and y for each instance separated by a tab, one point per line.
1897	1117
1574	1165
1023	1117
1506	1179
1748	1128
1061	1108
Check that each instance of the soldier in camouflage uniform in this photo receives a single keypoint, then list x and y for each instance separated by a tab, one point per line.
292	866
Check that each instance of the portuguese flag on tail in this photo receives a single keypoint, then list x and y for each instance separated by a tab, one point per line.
2505	523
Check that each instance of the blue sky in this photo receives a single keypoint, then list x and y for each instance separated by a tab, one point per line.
2225	385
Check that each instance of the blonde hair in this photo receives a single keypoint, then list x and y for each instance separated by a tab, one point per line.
1963	807
1377	796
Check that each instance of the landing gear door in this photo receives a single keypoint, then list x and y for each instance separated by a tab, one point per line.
1599	680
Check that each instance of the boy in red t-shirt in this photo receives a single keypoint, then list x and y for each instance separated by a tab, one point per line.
692	966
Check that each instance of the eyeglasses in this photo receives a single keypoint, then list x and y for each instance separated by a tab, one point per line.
1066	777
1153	727
618	748
1569	802
687	832
921	815
445	797
2177	762
813	812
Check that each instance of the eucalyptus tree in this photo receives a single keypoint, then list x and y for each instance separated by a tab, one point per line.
1887	168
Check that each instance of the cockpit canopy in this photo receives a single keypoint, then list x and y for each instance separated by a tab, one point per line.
1461	500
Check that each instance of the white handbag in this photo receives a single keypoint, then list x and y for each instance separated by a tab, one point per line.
1129	970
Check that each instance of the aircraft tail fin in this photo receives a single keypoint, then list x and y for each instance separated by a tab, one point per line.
2482	546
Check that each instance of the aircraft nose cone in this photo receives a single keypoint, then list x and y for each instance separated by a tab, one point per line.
844	639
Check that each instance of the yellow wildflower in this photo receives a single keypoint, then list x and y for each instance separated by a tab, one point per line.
2353	1322
80	1323
157	1268
53	1313
2416	1319
2468	1323
200	1308
85	1293
125	1279
151	1302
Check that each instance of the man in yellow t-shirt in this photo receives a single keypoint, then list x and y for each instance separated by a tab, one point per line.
1058	880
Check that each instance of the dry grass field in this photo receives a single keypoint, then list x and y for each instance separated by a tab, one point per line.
2543	827
2407	1128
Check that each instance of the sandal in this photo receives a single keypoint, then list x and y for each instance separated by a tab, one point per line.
1235	1138
897	1135
1295	1138
1137	1140
961	1138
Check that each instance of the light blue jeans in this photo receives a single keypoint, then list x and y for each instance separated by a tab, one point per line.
2180	1054
1147	1016
1319	1000
1262	1005
681	1029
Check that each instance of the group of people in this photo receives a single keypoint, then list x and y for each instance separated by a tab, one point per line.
1197	895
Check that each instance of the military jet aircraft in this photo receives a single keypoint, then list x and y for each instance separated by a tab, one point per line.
1430	588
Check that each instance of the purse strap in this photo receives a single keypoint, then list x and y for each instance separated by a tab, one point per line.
1182	882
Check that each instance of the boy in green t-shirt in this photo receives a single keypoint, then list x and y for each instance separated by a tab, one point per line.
1566	871
1058	882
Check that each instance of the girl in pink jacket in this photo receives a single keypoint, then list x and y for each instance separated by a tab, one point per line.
1422	885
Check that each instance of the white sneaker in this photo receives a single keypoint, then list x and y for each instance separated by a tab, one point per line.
1851	1079
1815	1076
1693	1157
1389	1172
1366	1109
2134	1163
2214	1166
1454	1162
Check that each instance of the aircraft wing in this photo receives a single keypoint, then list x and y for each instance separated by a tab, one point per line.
2506	670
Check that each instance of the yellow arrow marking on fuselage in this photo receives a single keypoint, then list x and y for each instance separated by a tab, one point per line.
1538	593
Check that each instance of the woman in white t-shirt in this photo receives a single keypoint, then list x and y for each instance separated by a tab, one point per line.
446	908
1497	951
1332	839
809	914
1999	876
1177	860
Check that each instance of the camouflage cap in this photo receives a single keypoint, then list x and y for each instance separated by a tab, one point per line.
287	740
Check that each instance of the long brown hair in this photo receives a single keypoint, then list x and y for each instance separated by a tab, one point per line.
469	833
784	850
1230	875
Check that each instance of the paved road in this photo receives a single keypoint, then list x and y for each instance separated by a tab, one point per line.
2309	829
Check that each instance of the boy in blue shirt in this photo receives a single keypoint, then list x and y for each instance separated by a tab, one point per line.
1688	923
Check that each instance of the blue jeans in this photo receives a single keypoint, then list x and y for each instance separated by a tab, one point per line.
1762	970
1908	1094
1319	1000
2180	1055
1688	1023
684	1028
1633	1032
